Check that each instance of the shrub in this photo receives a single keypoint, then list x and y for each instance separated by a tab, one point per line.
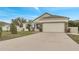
13	28
0	31
28	27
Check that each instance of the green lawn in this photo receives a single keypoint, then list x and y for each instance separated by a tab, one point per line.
8	35
74	37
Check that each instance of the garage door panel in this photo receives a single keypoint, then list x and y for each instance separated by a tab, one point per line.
53	27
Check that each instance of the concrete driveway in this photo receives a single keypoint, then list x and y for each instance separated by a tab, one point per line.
40	42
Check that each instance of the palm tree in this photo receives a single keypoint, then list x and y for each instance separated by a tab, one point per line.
19	21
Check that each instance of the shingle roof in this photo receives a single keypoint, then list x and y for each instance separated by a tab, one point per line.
50	15
3	23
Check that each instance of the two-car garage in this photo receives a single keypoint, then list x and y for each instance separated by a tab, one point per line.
53	27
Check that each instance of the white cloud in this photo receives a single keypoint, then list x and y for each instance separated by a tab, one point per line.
37	8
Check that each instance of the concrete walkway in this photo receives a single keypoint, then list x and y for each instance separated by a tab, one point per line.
40	42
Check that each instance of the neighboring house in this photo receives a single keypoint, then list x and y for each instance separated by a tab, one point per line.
6	27
19	28
51	23
22	28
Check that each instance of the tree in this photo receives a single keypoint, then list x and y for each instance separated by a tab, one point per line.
0	31
72	24
77	23
19	21
29	25
13	28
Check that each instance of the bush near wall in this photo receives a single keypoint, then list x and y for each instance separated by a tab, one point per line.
13	28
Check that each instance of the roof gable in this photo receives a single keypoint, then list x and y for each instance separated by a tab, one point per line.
47	15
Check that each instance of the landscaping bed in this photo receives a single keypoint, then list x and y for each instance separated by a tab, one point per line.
74	37
8	35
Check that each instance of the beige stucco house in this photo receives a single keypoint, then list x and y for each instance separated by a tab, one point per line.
6	27
22	28
51	23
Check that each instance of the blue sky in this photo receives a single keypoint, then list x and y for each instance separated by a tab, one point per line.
8	13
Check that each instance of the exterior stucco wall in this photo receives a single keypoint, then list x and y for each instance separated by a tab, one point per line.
22	28
19	28
6	28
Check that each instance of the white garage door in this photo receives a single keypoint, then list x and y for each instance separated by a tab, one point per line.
53	27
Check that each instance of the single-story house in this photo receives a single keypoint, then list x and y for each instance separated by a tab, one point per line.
22	28
6	27
51	23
